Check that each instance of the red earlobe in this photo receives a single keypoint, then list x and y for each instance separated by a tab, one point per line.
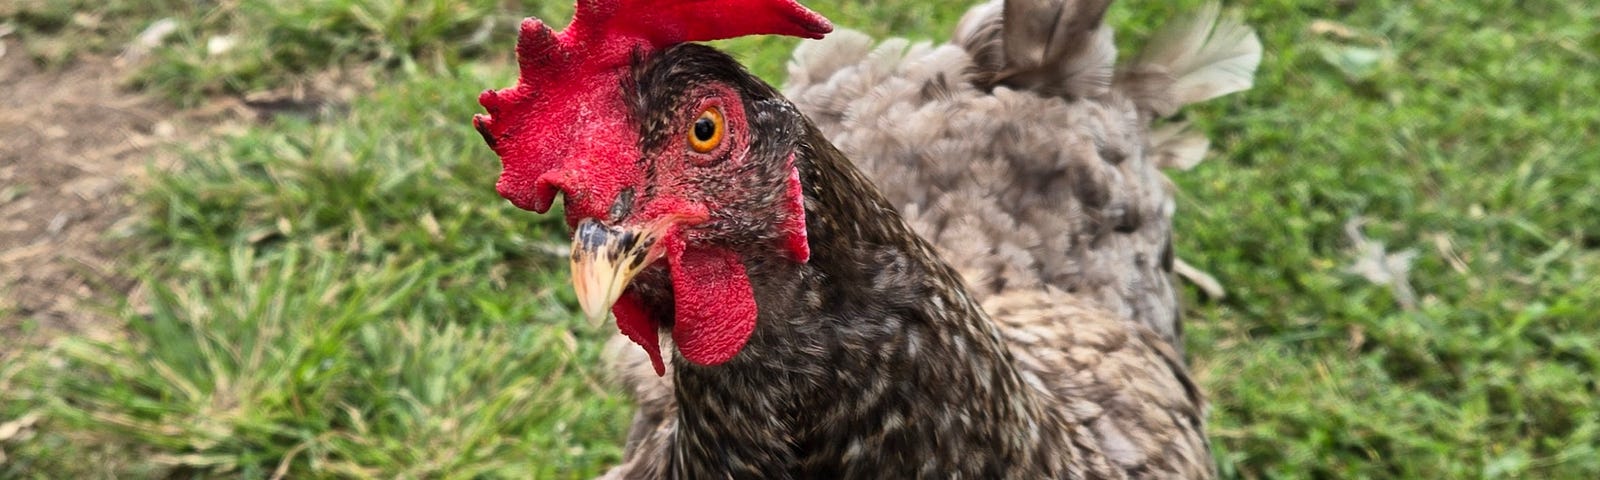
794	226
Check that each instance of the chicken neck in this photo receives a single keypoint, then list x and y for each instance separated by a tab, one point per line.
869	361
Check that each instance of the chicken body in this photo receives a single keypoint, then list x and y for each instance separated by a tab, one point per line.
1043	338
873	360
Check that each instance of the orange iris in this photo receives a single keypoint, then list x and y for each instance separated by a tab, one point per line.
707	131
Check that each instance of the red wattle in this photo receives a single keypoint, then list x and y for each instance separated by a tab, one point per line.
714	305
634	321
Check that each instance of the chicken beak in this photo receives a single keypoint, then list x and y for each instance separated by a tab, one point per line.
606	258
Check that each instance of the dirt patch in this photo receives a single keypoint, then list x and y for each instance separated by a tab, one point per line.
71	140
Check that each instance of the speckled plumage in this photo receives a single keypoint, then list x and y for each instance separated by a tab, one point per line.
874	361
1013	322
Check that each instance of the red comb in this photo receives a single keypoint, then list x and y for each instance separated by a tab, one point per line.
567	105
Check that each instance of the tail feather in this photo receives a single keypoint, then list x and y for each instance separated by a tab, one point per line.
1192	59
1177	147
1053	47
980	33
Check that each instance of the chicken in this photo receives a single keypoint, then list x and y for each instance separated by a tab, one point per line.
814	333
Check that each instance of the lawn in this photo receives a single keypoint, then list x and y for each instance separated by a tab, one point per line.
340	293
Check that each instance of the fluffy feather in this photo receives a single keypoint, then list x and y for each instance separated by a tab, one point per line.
1195	58
1070	194
1177	147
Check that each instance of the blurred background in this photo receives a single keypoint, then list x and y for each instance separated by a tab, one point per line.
259	239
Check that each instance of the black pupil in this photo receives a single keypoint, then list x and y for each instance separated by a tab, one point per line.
704	128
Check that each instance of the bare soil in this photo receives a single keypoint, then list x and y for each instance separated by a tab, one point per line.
72	139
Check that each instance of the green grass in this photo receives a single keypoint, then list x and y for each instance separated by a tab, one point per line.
345	296
321	303
245	46
56	31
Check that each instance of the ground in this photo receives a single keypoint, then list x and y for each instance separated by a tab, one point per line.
71	140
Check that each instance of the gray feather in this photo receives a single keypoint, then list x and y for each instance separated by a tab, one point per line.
1019	189
1052	47
1195	58
1021	185
1177	147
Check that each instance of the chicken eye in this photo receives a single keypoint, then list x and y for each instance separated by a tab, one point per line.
707	132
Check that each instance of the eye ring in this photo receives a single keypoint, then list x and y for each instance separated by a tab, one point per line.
706	133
